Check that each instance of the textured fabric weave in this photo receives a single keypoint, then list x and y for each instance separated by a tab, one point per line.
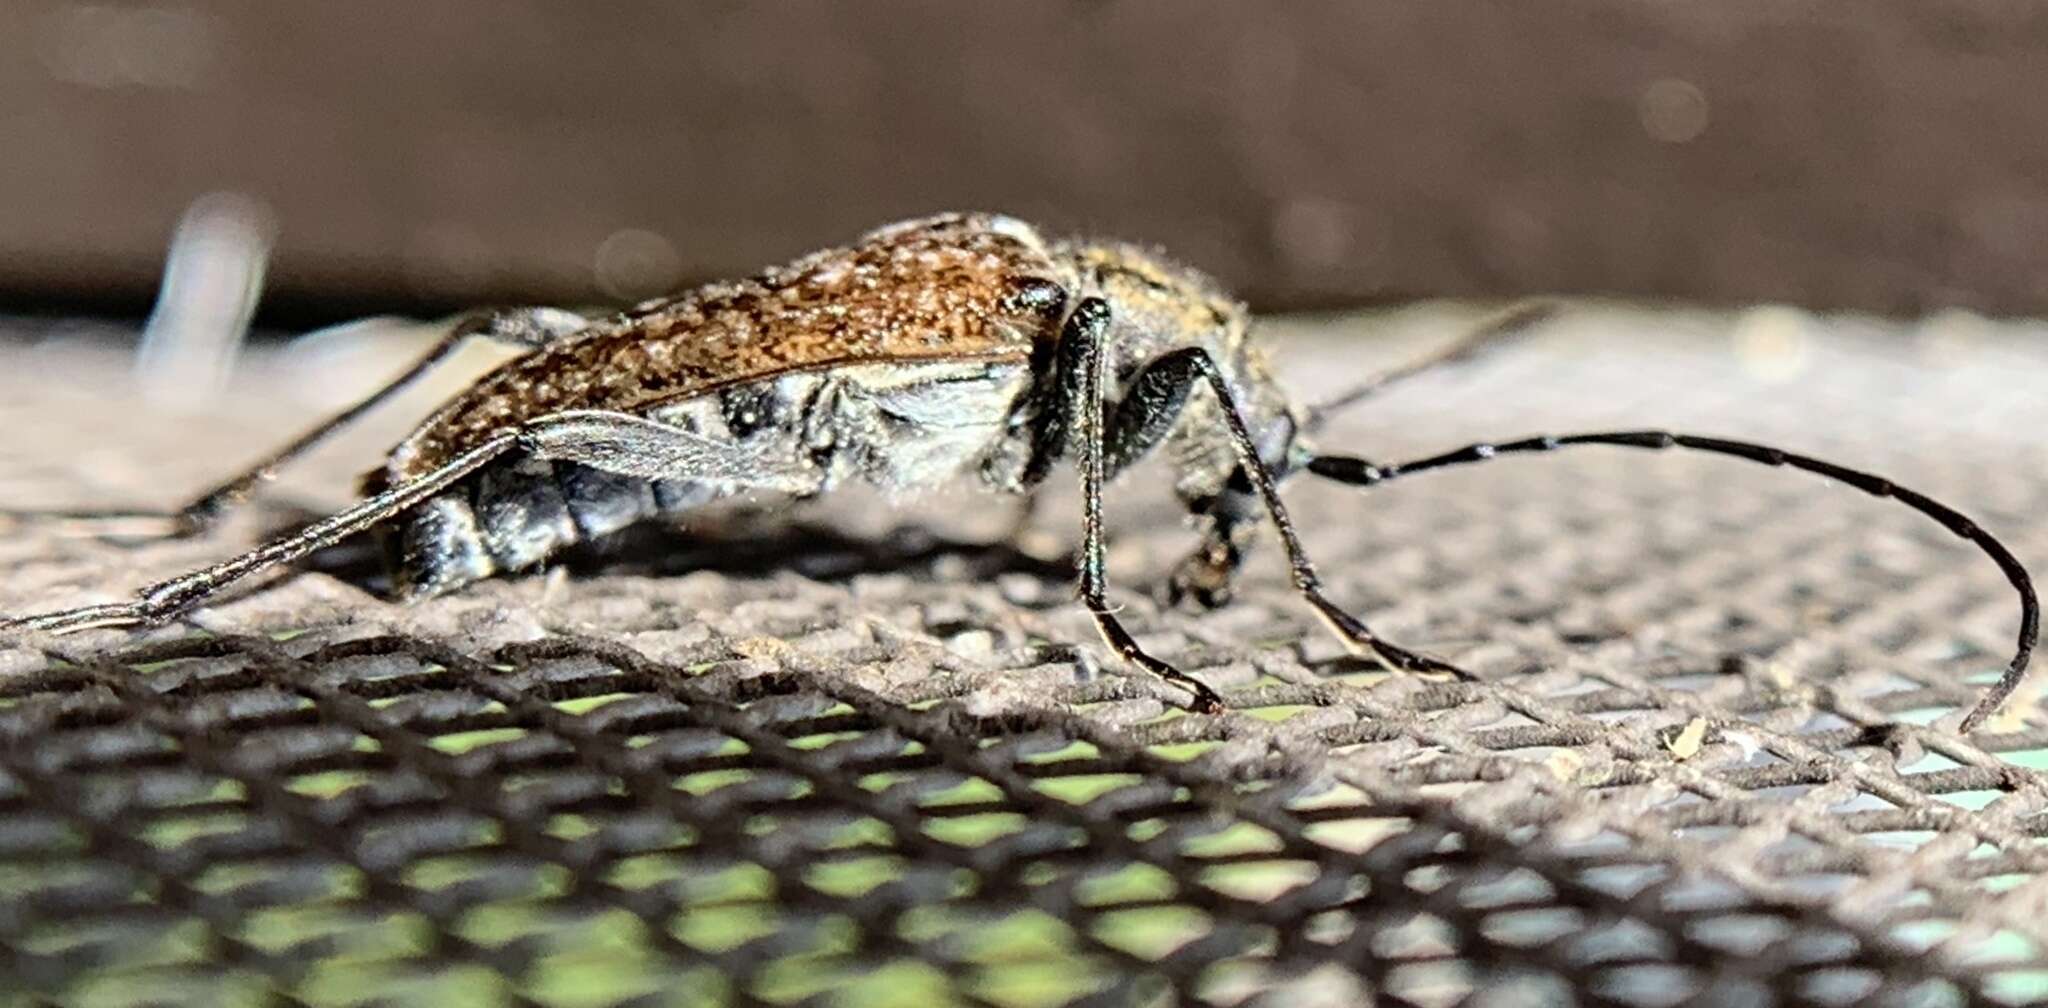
871	767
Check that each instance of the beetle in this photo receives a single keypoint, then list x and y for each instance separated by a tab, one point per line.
959	345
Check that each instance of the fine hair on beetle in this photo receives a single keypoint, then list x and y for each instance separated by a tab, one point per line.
960	345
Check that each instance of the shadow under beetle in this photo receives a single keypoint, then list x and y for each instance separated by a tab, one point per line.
957	345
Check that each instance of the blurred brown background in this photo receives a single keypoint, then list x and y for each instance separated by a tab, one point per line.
1889	155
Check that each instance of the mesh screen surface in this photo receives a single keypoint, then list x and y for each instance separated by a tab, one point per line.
847	765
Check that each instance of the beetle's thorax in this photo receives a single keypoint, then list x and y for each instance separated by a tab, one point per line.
1159	306
1154	299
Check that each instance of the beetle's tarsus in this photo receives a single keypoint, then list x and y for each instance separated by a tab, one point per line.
67	621
1200	581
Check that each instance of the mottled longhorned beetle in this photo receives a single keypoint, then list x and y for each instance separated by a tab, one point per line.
957	345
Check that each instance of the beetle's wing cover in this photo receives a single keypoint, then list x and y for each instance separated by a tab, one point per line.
956	286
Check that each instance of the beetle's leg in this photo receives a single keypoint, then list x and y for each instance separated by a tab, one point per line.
531	327
1230	519
1145	416
624	444
1058	379
615	442
1179	371
1205	577
1361	473
1080	407
165	599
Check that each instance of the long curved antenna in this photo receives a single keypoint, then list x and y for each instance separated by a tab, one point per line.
1358	472
1488	335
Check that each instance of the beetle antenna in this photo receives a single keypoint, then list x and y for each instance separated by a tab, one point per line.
1488	335
1358	472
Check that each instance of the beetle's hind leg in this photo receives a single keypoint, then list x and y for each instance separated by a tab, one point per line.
616	443
165	599
529	327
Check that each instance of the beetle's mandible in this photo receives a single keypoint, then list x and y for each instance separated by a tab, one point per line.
961	345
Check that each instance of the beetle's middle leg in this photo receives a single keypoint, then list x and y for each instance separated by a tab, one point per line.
1148	412
529	327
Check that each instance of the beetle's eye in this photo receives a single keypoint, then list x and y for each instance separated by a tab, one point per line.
1037	295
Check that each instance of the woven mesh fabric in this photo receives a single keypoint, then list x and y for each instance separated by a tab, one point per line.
853	766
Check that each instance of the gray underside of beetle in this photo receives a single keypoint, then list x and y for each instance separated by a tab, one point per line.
899	427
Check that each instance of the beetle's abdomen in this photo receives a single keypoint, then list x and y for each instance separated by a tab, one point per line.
901	427
512	517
